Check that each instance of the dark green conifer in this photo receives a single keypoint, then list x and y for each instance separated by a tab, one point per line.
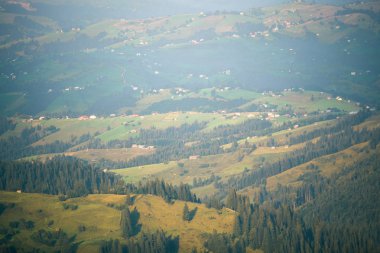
186	213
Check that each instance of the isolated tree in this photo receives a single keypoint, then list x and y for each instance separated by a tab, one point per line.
186	213
128	200
237	226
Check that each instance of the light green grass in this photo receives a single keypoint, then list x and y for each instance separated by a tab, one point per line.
238	94
302	102
136	174
76	127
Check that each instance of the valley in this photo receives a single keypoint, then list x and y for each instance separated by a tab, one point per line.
295	136
107	65
189	126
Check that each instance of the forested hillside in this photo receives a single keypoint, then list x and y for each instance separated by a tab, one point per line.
309	188
189	126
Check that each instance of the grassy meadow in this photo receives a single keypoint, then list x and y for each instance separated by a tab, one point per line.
103	222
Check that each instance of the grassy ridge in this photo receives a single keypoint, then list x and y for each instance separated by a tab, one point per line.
102	222
242	158
328	165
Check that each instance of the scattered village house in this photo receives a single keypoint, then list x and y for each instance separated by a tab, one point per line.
193	157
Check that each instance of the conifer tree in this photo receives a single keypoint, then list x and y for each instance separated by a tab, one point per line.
231	201
128	200
126	223
237	226
186	213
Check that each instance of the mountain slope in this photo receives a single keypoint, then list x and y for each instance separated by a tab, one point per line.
102	221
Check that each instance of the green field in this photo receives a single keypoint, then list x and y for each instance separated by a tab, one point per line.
125	127
107	129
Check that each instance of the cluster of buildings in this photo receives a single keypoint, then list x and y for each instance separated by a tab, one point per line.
85	117
272	115
259	34
142	147
76	88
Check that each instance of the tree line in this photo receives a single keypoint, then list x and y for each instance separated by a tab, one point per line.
327	144
341	124
170	143
156	242
59	175
15	147
74	177
339	213
6	124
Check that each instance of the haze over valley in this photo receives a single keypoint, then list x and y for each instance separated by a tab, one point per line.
188	126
